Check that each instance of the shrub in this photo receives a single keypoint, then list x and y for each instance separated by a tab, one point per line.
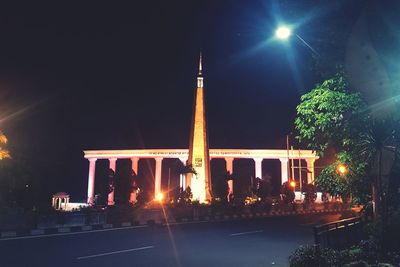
310	193
287	193
306	256
356	264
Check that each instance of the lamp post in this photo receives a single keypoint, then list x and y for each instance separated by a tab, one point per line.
284	32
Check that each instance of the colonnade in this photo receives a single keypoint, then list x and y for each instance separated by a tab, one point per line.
158	169
60	201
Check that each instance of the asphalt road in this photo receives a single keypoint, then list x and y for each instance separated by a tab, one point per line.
255	242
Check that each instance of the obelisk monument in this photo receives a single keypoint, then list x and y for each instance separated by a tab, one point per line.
200	183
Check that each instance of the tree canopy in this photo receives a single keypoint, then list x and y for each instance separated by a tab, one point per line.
333	115
330	115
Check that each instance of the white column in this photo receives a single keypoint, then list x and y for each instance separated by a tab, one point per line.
157	182
258	166
135	164
284	170
182	178
135	168
53	203
90	191
310	170
112	164
229	168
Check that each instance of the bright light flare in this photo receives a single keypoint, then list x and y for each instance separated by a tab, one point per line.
160	197
293	184
283	32
342	169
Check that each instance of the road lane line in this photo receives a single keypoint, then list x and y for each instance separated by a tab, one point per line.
72	233
113	252
247	233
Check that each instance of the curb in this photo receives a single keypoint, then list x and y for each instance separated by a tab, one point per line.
215	218
8	234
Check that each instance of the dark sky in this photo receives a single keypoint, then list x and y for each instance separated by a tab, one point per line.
111	76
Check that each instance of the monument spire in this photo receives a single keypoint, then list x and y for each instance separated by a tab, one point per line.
200	65
199	158
200	75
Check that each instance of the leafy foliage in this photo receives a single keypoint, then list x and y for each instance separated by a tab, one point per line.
329	115
263	187
184	169
332	115
364	254
306	256
287	192
220	186
331	182
310	193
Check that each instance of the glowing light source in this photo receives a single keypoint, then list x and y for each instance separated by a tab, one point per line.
283	32
160	197
342	169
293	183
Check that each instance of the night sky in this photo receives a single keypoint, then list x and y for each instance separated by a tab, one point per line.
102	76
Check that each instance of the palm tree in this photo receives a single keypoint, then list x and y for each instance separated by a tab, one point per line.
378	147
4	153
184	169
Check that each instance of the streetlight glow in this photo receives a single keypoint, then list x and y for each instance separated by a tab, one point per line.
342	169
160	197
283	32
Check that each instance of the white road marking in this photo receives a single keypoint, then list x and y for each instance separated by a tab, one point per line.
113	252
73	233
247	233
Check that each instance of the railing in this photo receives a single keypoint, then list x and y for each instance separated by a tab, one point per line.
339	234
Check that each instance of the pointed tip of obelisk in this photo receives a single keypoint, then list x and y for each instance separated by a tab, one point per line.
200	63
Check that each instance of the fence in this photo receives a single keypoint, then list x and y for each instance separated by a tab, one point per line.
339	234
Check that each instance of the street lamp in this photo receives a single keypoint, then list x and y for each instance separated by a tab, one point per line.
283	32
160	197
342	169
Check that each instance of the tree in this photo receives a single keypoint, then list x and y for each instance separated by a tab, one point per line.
310	193
330	115
186	195
263	187
184	169
379	147
220	186
287	193
331	182
333	115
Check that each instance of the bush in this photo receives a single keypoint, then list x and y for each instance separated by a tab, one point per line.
306	256
310	193
357	264
287	193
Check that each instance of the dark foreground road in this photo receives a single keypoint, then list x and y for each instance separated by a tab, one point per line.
256	242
